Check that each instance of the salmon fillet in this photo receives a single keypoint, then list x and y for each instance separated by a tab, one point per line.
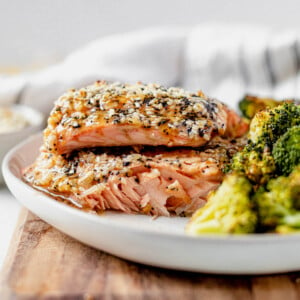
122	115
149	180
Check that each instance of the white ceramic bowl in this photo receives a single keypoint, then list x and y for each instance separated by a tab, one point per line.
10	139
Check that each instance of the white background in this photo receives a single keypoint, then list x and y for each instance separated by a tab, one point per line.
35	33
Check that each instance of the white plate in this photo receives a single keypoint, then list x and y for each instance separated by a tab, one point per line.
160	242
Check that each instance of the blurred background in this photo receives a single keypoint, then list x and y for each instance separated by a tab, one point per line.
226	48
38	33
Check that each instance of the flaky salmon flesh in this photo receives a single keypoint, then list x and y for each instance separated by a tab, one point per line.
117	114
158	181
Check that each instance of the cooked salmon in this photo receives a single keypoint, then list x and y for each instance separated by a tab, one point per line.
117	114
149	180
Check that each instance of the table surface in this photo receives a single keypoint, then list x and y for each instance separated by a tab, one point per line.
43	263
9	212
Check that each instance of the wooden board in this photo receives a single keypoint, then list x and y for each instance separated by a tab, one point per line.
43	263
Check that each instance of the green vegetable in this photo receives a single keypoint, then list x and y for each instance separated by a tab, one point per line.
286	151
278	203
268	125
228	210
250	105
256	160
252	198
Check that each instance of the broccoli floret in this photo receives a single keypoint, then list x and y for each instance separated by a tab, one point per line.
278	203
256	163
250	105
268	125
286	151
228	209
256	160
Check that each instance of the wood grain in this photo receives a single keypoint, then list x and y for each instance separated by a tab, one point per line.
43	263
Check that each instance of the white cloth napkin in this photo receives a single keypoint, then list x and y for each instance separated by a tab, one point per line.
225	61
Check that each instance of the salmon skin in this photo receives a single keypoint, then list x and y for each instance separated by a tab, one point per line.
158	181
117	114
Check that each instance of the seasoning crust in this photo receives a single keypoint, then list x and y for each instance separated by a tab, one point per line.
115	114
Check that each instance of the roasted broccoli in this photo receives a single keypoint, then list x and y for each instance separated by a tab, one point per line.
252	198
286	151
250	105
256	160
278	204
268	125
235	208
228	210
